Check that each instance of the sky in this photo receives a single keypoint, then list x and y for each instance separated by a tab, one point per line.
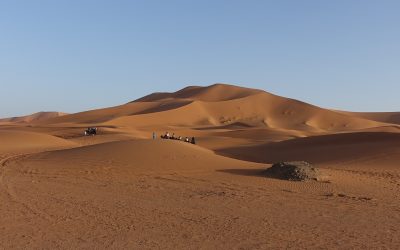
76	55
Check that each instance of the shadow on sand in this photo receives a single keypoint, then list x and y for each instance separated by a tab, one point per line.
244	172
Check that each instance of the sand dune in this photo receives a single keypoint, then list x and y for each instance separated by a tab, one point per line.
221	105
144	156
387	117
20	141
36	117
213	93
368	148
261	110
122	190
159	102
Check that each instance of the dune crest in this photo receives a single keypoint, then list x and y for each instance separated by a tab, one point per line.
221	105
36	117
387	117
213	93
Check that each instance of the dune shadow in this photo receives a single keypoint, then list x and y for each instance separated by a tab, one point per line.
244	172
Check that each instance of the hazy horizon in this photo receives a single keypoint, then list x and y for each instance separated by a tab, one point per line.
72	56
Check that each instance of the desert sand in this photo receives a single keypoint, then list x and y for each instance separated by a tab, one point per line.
121	189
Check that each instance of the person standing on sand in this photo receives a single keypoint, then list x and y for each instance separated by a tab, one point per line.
154	135
193	140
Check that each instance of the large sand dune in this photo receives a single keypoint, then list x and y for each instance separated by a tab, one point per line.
220	105
121	189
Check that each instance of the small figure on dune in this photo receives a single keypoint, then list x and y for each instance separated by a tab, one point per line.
173	137
154	135
166	136
91	131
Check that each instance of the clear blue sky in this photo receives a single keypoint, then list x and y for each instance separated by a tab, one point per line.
76	55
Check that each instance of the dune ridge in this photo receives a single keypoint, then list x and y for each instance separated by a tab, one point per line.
213	93
386	117
36	117
220	105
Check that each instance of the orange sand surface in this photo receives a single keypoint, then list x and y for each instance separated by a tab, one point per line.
121	189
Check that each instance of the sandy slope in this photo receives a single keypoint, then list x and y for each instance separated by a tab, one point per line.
220	105
168	194
261	110
36	117
336	148
120	189
213	93
387	117
21	142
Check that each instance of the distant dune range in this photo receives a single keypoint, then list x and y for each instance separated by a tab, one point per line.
36	117
221	105
388	117
122	189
